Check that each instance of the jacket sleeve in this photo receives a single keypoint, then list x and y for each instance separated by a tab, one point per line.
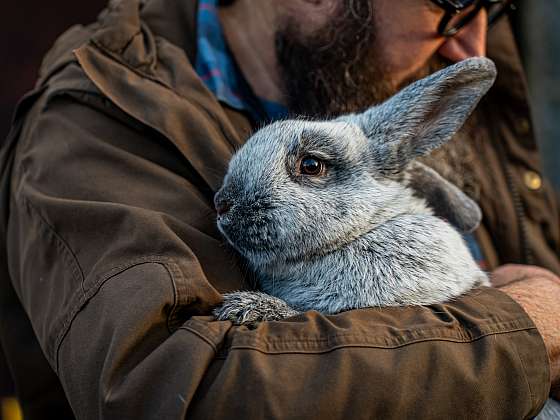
114	255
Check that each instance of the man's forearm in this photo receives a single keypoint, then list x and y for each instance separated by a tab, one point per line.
392	363
539	295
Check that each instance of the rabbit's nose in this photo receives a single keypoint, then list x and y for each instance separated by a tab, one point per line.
221	205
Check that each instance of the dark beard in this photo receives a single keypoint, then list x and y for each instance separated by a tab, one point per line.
336	70
333	70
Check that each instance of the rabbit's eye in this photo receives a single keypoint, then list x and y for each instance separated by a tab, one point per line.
311	166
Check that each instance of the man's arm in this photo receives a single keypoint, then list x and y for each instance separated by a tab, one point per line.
121	362
538	291
114	257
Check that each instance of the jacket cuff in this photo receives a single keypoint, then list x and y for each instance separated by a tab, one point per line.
533	355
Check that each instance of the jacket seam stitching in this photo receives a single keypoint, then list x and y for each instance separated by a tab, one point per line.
117	58
464	337
201	336
171	315
373	345
93	290
63	246
518	324
57	92
130	41
531	394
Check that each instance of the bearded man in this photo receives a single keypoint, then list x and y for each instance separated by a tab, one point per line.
111	261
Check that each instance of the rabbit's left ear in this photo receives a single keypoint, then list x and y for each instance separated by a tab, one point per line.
445	199
424	115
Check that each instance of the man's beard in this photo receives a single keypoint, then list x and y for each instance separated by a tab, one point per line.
332	70
337	70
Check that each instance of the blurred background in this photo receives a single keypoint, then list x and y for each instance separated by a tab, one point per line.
537	25
29	27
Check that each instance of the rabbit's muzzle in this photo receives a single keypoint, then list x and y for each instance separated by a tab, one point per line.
248	227
221	204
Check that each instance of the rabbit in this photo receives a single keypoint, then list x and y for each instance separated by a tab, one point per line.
338	215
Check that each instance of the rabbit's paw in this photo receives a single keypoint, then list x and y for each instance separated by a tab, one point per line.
250	308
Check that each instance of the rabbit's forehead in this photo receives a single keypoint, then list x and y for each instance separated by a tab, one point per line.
332	137
345	139
334	130
264	149
274	143
295	131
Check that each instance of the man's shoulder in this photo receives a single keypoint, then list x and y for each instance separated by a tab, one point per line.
121	37
128	68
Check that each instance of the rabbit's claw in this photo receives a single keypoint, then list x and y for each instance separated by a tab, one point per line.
250	308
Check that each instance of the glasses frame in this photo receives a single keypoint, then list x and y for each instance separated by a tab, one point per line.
453	8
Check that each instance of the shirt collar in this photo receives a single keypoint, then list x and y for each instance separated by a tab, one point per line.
218	70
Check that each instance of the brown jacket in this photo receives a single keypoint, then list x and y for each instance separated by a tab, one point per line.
112	260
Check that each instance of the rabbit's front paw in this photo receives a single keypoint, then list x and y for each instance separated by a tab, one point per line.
249	308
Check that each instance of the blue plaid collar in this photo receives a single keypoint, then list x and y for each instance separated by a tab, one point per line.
217	69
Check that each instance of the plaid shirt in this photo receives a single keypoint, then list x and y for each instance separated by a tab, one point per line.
218	70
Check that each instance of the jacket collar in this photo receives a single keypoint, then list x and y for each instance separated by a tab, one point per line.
174	20
144	68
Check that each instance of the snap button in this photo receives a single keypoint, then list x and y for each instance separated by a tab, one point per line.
524	126
533	180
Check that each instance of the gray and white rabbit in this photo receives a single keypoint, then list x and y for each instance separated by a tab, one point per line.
337	215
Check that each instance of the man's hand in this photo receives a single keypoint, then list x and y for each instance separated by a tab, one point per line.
537	290
509	273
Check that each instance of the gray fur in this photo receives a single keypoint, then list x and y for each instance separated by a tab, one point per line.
249	308
444	198
363	234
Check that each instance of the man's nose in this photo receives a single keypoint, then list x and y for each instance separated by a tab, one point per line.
470	41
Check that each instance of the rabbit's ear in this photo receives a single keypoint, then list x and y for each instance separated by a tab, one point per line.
445	199
424	115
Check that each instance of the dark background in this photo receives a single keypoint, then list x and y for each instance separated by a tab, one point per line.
29	27
27	30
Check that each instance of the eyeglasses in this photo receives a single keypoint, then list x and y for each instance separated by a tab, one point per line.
459	13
